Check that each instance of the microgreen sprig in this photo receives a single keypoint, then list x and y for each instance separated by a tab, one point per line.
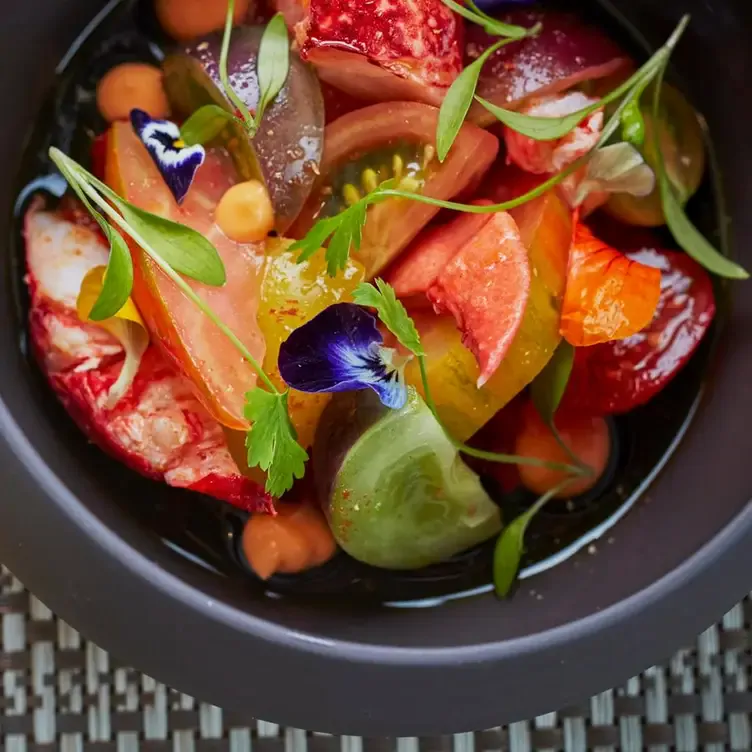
684	232
542	128
460	95
272	69
489	24
177	250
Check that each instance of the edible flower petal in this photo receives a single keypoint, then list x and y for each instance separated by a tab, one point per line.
608	296
617	168
177	163
342	350
126	325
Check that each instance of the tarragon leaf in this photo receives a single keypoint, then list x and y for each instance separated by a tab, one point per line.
205	124
391	312
273	63
511	544
684	232
490	25
458	100
271	441
549	386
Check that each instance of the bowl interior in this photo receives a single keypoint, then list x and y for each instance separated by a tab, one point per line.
702	488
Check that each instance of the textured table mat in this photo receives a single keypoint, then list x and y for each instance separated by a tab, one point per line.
62	692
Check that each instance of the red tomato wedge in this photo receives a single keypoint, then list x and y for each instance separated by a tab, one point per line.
616	377
395	50
394	223
220	375
486	287
417	268
608	295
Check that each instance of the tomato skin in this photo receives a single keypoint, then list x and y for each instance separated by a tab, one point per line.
546	230
616	377
416	269
587	437
394	223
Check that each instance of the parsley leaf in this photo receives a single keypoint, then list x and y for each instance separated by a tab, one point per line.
271	441
381	296
344	231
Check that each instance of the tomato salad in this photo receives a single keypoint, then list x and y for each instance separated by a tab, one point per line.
342	266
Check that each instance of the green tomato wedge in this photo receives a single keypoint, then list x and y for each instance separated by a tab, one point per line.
395	490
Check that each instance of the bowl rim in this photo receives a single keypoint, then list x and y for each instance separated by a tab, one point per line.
88	548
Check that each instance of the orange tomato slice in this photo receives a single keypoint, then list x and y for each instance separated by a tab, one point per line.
608	295
219	373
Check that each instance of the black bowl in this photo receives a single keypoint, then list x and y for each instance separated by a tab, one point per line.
103	548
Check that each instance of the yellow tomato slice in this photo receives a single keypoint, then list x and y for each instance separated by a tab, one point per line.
545	226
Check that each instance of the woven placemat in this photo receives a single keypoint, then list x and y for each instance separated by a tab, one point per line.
62	692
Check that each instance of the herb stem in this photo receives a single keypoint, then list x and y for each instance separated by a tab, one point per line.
185	288
481	454
543	500
224	76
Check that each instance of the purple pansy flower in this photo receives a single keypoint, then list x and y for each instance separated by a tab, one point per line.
177	163
342	350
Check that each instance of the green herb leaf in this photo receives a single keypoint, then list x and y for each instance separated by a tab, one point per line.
551	383
185	250
538	127
182	248
392	313
345	230
224	75
271	441
491	25
273	63
315	238
205	124
118	279
684	232
552	128
457	102
511	545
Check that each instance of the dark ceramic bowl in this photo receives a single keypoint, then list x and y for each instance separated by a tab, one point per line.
107	550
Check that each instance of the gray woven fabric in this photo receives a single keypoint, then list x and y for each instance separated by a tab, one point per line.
62	692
